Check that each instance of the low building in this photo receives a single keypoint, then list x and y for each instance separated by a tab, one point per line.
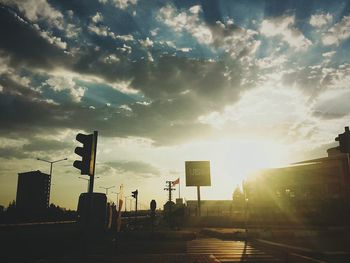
306	189
32	193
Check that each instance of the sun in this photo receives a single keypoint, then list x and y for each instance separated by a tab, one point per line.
234	160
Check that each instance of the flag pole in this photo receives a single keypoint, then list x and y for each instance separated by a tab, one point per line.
179	188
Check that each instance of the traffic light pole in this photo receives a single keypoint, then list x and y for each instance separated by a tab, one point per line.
92	176
136	208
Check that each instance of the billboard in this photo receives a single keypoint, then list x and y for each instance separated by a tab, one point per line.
197	173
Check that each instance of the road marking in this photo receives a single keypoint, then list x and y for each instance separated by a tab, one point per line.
229	251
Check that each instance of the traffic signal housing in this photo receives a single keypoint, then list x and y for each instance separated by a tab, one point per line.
134	194
87	153
344	141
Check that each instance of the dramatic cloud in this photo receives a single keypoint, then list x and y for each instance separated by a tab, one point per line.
237	41
123	3
33	149
135	167
40	50
337	33
320	20
178	75
37	10
187	21
283	26
59	84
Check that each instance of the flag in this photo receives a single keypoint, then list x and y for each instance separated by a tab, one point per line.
177	181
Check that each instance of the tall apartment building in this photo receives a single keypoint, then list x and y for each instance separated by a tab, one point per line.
32	192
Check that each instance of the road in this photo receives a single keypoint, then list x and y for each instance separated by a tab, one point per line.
228	251
201	250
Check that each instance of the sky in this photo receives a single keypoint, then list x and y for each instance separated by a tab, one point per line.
243	84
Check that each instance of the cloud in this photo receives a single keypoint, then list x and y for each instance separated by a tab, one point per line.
65	83
320	20
237	41
186	22
127	37
36	10
328	54
100	30
271	61
34	147
189	87
97	18
337	33
97	27
137	168
181	74
146	42
283	26
171	91
38	53
318	79
123	4
57	41
10	152
45	145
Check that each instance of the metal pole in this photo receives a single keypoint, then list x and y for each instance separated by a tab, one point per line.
169	191
136	208
93	165
199	200
49	190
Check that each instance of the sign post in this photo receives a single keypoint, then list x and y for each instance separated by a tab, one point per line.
198	174
199	200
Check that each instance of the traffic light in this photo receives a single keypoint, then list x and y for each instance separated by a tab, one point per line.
134	194
344	141
87	152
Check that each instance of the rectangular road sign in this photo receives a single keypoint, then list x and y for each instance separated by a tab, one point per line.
197	173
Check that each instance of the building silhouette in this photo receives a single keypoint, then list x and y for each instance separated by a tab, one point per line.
32	198
316	190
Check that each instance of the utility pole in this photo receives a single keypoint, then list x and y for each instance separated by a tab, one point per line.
169	188
169	204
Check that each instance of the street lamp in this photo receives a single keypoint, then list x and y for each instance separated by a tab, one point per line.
107	188
51	163
87	179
